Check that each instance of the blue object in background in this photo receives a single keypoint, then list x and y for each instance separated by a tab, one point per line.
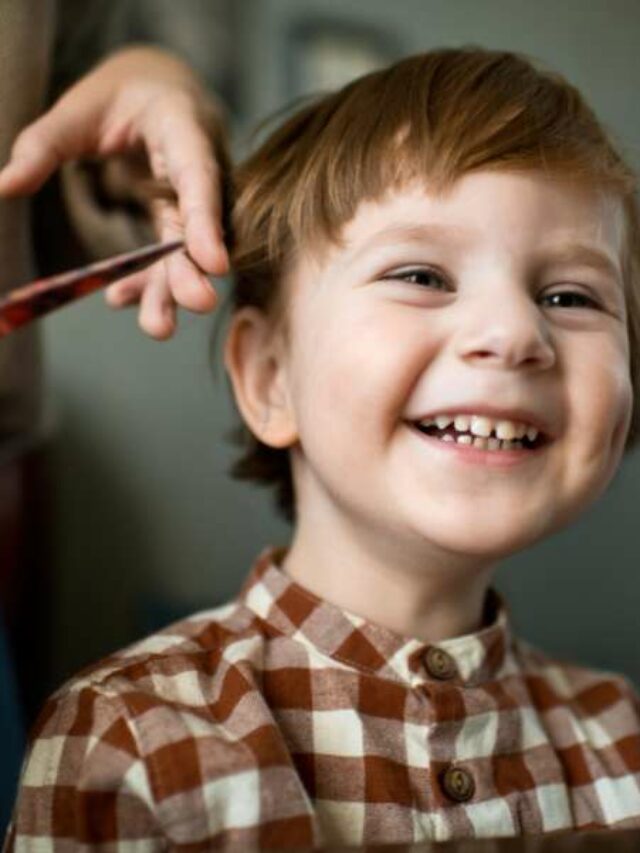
155	612
11	735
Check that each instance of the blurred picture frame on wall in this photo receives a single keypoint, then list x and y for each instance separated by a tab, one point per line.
324	54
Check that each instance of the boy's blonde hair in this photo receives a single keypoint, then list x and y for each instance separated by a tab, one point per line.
435	116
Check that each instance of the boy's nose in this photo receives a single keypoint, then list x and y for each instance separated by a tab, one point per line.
510	335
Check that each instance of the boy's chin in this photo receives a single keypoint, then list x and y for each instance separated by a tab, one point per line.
489	542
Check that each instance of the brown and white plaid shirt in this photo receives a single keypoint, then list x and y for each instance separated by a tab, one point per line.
281	720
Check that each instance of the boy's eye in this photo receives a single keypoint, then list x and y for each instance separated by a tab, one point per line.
562	298
429	278
422	276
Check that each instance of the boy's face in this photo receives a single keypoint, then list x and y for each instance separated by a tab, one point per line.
444	304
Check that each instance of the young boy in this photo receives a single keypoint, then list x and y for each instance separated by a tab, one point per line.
435	349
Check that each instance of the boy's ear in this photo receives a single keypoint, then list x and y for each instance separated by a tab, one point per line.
254	356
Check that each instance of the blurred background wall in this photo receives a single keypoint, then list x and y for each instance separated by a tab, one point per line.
147	525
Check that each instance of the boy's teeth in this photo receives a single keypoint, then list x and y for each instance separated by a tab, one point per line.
481	442
481	426
484	427
508	430
484	443
443	421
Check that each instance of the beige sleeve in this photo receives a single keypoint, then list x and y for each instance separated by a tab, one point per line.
25	51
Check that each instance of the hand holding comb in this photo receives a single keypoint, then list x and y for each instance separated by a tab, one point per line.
39	297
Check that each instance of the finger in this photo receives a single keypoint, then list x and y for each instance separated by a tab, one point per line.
43	146
157	312
127	291
198	198
186	155
34	157
188	286
157	315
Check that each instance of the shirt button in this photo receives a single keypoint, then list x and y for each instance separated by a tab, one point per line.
439	664
458	784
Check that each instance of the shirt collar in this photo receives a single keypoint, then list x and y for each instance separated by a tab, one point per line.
287	608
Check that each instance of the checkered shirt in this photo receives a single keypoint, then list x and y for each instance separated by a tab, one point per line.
280	720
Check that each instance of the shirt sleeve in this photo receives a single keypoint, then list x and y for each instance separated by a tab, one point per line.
83	780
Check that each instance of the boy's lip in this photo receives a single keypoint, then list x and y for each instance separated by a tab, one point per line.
519	414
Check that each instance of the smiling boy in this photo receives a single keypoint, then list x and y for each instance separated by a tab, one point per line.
434	348
499	304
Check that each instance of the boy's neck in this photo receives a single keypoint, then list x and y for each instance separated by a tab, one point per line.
418	592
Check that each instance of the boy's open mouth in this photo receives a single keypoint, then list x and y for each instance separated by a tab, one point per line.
492	438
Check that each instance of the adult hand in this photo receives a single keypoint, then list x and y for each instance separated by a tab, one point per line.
143	99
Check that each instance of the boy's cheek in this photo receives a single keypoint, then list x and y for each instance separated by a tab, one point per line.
623	385
600	405
621	430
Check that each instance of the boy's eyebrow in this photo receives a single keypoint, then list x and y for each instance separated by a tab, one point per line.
410	232
563	253
567	253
